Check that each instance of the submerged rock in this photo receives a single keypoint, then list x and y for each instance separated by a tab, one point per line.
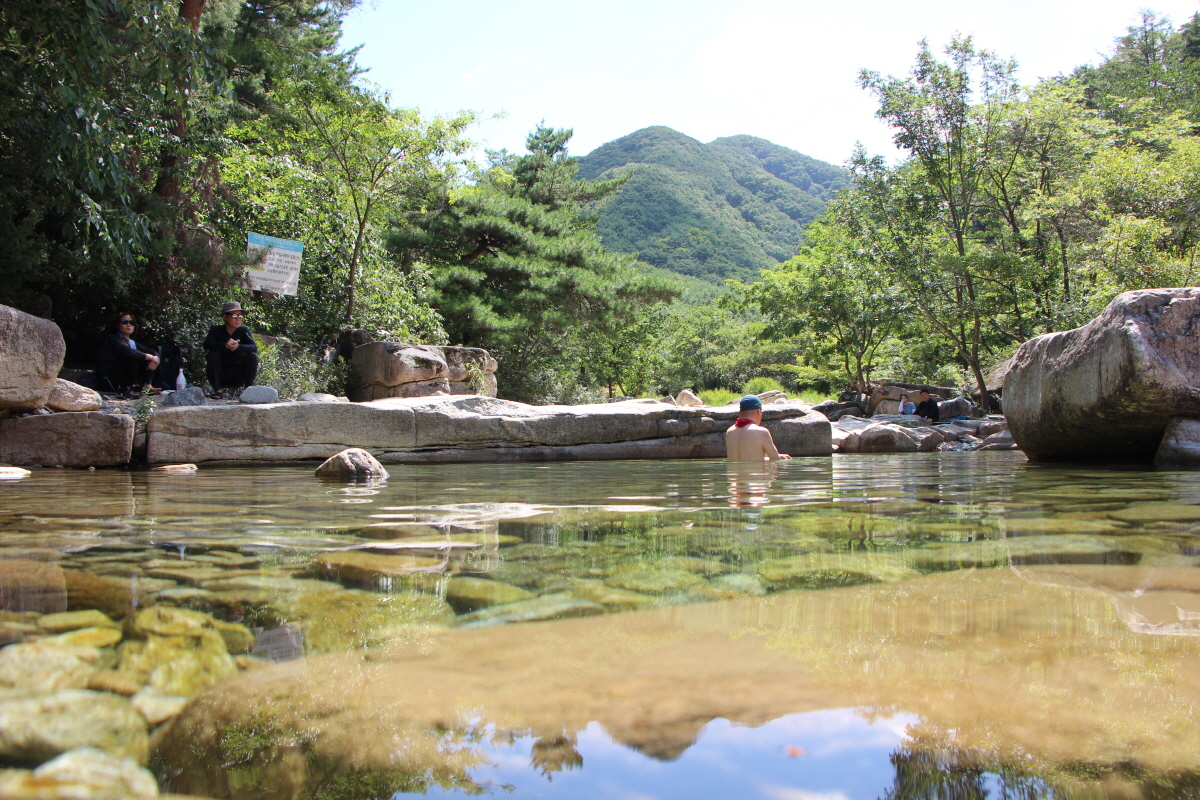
471	594
352	464
360	566
75	620
84	773
44	667
646	580
36	729
559	605
28	585
182	651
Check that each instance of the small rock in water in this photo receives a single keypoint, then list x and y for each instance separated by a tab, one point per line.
75	620
84	772
741	583
191	396
472	594
157	708
35	730
88	637
655	581
113	682
13	473
351	464
182	468
259	394
548	606
43	668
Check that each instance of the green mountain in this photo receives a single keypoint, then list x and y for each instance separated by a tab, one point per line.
713	211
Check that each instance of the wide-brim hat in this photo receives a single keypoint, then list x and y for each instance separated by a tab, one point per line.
232	305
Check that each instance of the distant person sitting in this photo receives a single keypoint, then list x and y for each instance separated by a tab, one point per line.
746	439
906	406
123	365
232	353
927	408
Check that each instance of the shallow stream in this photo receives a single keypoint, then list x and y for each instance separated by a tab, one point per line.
918	625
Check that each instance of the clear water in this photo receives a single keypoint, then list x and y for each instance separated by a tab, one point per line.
941	625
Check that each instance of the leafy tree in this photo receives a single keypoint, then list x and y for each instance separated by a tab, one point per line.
517	267
841	303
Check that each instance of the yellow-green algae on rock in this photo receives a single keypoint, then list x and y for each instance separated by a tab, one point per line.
1039	668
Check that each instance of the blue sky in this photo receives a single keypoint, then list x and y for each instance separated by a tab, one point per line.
784	70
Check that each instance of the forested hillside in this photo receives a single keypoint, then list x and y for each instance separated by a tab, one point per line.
713	211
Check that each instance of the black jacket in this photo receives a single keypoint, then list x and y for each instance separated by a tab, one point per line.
218	336
115	350
928	409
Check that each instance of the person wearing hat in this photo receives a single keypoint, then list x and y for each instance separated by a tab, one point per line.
747	439
232	353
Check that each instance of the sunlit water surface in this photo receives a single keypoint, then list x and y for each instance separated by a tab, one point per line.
941	625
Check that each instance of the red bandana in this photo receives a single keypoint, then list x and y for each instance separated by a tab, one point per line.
742	422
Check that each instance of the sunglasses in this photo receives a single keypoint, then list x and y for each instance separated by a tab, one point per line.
128	322
234	316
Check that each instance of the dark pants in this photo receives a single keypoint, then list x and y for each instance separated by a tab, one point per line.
227	374
125	375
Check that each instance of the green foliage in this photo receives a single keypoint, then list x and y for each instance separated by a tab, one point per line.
516	268
711	211
297	374
718	397
761	385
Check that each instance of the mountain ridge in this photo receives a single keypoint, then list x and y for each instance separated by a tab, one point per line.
713	211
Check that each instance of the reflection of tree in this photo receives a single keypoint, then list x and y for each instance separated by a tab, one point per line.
554	754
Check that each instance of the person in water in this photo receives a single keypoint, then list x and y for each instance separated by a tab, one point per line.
232	353
747	439
123	365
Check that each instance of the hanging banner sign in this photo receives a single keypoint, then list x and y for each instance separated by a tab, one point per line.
279	269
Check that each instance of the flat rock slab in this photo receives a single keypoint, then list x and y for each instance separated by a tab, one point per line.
1109	389
468	428
84	439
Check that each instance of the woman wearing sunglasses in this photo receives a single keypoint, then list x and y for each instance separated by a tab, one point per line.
123	365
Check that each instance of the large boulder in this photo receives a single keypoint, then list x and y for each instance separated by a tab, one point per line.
87	439
472	428
389	369
31	353
1108	390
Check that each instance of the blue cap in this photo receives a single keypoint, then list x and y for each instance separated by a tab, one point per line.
751	403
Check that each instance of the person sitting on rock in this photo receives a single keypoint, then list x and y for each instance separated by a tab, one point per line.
123	365
906	406
232	353
746	439
927	408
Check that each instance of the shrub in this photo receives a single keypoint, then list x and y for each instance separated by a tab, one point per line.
762	384
300	374
718	397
